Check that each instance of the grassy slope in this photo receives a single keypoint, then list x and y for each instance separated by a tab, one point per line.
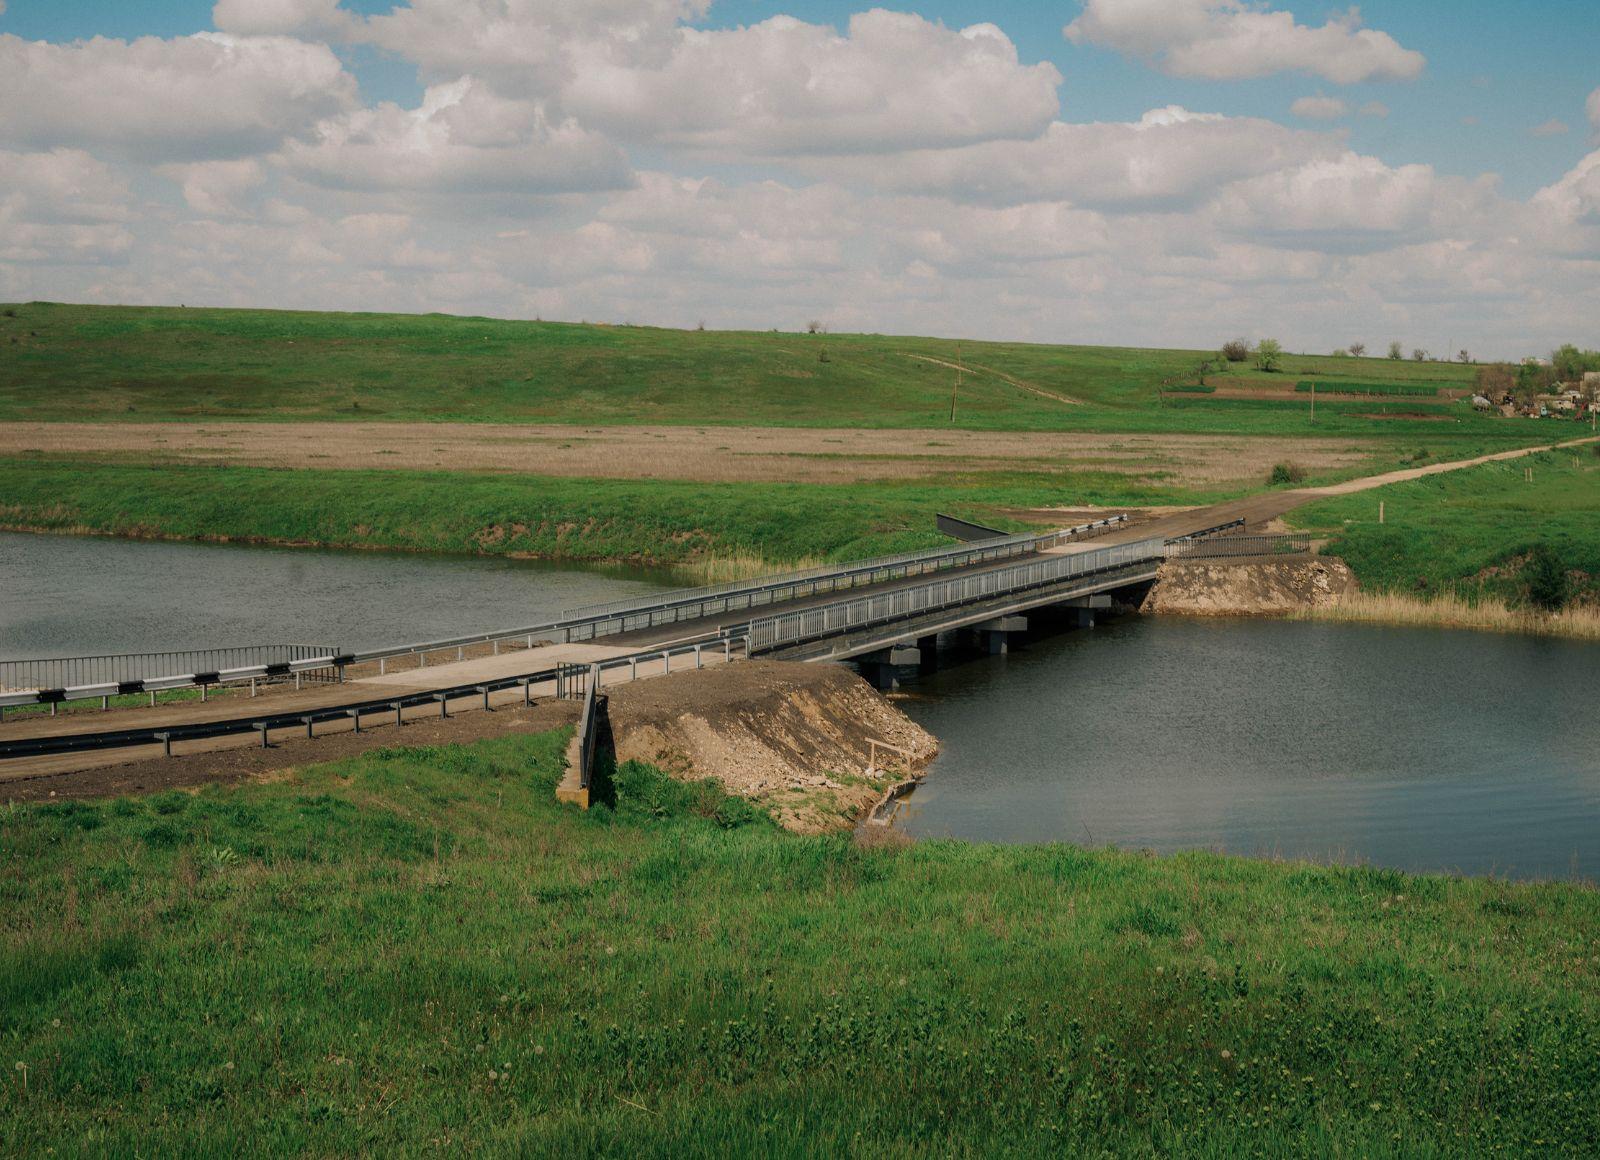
665	521
1463	532
117	363
417	950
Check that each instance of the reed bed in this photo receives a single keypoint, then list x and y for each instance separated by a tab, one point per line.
1450	610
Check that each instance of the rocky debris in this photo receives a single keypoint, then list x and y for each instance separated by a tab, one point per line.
792	737
1247	588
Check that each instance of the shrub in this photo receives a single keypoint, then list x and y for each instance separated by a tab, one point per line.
1269	353
1287	473
1548	583
1236	350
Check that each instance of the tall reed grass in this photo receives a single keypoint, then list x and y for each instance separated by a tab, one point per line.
1450	610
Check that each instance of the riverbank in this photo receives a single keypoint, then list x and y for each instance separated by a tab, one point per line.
1448	610
419	945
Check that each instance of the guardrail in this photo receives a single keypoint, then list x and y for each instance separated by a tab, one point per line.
130	668
835	619
1204	532
308	719
781	586
1224	547
585	624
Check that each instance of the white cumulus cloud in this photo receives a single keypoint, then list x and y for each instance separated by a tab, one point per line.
461	139
890	81
1170	159
1236	39
204	96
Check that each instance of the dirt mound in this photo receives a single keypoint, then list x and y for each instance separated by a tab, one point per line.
1248	587
790	736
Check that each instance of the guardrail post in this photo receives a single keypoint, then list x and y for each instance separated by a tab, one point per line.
697	661
666	668
311	727
727	648
444	704
497	646
297	678
252	686
460	653
166	743
261	727
152	698
52	708
383	665
398	708
202	693
355	715
105	703
633	668
527	691
485	691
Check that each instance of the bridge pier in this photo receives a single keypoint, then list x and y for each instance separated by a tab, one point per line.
995	635
887	667
1082	608
928	646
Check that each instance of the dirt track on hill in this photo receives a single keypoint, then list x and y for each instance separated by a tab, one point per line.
705	454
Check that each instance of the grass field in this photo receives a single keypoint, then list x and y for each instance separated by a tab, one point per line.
61	362
417	951
657	521
1468	533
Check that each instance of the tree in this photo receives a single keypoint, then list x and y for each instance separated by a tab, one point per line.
1496	382
1357	349
1236	350
1268	354
1532	379
1548	582
1419	355
1569	363
1396	351
1463	356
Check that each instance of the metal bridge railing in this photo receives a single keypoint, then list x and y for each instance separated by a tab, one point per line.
1224	547
693	603
834	619
136	668
162	671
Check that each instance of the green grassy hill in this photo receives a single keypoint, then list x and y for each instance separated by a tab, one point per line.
418	952
61	362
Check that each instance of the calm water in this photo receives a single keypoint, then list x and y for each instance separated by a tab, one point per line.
1416	749
68	595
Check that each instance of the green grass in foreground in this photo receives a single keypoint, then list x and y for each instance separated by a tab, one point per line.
658	521
1469	532
417	951
139	364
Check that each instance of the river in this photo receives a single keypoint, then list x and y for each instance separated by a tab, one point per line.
1419	749
74	596
1412	748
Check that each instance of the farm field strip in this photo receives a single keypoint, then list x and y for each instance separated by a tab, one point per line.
709	454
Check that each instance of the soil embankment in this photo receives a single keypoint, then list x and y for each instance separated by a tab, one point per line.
1266	587
791	737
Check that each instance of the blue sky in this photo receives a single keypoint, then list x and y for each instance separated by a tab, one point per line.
1488	61
899	170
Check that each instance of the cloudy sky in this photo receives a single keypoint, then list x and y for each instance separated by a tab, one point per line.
1148	172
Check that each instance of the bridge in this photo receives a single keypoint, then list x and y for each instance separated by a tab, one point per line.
884	614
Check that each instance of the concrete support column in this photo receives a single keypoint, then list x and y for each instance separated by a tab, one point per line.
888	667
928	646
996	634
